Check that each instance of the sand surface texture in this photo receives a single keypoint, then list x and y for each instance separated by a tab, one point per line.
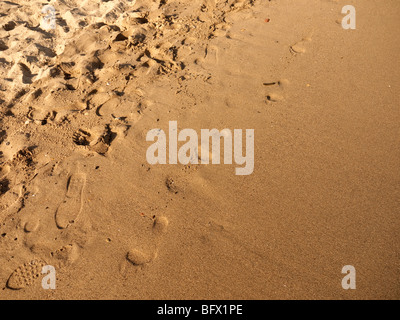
76	189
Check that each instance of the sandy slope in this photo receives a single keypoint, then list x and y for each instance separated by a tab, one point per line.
76	191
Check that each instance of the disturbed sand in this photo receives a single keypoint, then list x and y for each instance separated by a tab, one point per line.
76	189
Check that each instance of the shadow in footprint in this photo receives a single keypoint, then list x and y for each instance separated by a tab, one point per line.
3	46
4	186
47	51
26	74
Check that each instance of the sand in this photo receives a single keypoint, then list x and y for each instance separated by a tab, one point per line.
76	189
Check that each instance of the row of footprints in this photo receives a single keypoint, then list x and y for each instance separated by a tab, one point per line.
66	215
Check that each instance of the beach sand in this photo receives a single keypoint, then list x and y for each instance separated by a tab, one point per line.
78	193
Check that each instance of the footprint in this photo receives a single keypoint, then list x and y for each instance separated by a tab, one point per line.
212	55
276	95
171	185
14	143
82	138
220	30
138	257
300	47
104	141
31	226
98	139
160	226
117	107
135	258
70	209
10	199
25	275
67	255
41	117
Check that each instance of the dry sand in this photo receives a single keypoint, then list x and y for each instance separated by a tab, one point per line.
76	190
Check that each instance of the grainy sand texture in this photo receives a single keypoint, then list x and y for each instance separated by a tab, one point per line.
82	83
